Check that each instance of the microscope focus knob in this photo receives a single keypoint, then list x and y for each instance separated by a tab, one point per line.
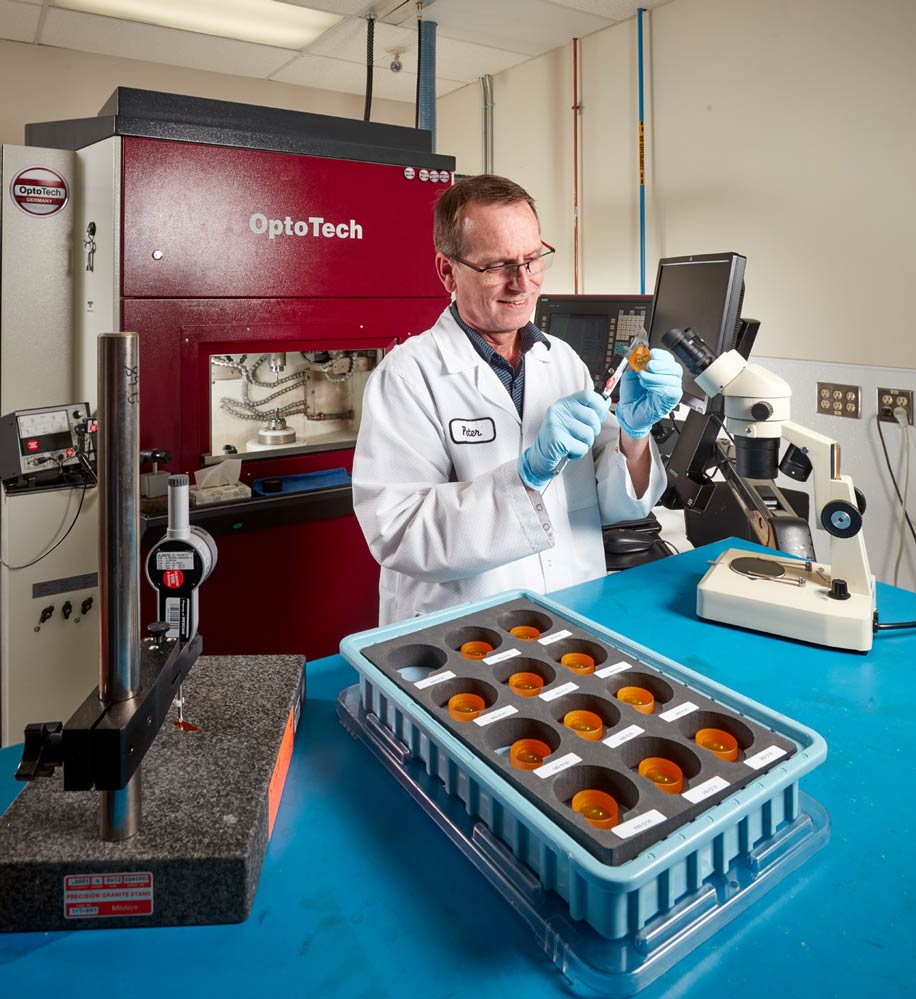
841	519
762	410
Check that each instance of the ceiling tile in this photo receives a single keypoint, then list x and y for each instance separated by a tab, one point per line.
455	60
130	40
528	26
18	21
345	8
474	38
613	10
350	78
347	40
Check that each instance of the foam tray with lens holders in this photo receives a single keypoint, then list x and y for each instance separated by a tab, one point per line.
431	669
663	844
594	964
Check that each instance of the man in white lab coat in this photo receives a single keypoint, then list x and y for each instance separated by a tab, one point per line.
465	427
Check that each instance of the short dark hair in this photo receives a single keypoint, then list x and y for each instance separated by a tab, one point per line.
484	189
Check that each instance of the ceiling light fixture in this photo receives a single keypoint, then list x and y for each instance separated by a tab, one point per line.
265	22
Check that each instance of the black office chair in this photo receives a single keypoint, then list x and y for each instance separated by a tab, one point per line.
634	542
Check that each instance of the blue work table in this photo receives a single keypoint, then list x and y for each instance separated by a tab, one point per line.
361	895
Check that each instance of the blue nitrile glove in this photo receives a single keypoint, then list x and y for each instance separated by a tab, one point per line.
570	427
647	396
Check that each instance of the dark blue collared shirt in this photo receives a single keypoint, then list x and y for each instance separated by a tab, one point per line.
513	379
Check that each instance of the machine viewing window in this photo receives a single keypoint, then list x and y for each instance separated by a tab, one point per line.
302	400
595	326
703	292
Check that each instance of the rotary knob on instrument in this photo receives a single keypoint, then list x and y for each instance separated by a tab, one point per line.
157	631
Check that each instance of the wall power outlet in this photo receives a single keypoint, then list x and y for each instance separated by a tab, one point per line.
889	399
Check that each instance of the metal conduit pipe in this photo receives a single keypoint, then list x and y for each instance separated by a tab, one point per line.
576	110
119	553
426	113
486	94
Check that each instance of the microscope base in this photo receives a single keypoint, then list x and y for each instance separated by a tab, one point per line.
209	799
776	607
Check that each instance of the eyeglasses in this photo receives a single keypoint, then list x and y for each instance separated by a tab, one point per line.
497	273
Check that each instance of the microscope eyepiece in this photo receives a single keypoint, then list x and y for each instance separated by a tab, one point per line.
689	349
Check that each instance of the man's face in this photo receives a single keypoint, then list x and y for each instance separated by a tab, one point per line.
495	234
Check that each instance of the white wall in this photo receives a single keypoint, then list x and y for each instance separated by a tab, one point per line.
40	83
784	130
532	127
781	129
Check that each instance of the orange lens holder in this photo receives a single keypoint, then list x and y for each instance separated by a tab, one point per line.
476	650
664	774
525	632
526	684
528	754
719	742
578	662
465	707
598	808
637	697
586	724
639	358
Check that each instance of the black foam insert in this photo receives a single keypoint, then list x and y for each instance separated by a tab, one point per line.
419	663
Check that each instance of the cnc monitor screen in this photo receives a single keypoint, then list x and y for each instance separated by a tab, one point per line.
703	292
595	326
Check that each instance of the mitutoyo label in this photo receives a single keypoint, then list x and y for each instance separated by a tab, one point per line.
174	560
104	895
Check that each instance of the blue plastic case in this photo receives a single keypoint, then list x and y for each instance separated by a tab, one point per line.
609	928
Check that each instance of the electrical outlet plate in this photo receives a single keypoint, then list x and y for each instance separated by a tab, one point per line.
834	399
889	399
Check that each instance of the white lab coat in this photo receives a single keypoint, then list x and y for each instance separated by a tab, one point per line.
436	487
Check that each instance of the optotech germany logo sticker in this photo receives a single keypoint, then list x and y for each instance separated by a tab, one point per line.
40	191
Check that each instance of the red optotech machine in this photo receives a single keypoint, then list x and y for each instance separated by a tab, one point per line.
266	259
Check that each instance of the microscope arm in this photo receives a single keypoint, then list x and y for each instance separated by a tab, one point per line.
756	404
768	512
836	508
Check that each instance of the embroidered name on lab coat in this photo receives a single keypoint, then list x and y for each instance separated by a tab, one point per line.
481	431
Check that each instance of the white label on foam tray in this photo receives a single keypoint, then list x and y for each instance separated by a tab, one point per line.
640	824
764	757
493	716
619	738
705	789
431	681
555	637
555	766
672	714
500	656
611	670
552	695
